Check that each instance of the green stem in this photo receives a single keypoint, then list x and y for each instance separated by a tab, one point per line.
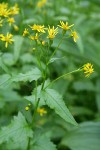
78	70
56	49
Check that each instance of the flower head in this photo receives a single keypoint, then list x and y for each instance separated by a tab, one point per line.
14	10
88	69
38	28
11	21
7	39
52	32
34	37
74	35
65	26
41	3
25	32
41	111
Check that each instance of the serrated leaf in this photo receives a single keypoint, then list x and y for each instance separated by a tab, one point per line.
86	137
42	142
18	132
55	101
34	74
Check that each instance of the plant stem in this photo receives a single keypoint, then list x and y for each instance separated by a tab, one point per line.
78	70
56	49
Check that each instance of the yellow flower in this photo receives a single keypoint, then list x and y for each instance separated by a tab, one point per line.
38	28
7	39
4	12
41	111
52	32
11	21
34	37
14	10
26	108
65	26
3	5
88	69
25	32
16	28
74	35
41	3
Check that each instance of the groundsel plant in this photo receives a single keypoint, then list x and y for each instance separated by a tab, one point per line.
21	131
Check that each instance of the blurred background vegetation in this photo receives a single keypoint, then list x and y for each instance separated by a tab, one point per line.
81	95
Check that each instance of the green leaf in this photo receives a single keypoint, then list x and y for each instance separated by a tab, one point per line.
18	40
18	132
5	80
42	142
34	74
55	101
86	137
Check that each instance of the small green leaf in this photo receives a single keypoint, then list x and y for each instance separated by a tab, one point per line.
86	137
34	74
55	101
18	132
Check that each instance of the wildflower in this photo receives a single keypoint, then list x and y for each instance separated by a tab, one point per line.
14	10
41	3
41	111
26	108
3	5
52	32
74	35
88	69
7	39
4	12
38	28
34	37
65	26
26	32
16	28
11	21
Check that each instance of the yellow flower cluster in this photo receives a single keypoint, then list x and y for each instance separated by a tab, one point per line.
7	16
50	32
88	69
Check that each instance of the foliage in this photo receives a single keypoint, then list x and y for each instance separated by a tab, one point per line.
42	83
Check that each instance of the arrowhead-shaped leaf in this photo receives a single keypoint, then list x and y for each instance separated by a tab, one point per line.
55	101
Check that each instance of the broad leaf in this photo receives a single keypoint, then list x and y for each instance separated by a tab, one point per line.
55	101
42	142
34	74
86	137
18	132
